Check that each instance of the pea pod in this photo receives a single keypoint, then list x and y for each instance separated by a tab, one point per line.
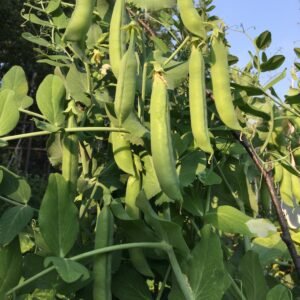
197	100
80	21
296	187
116	36
122	153
137	255
70	155
190	18
221	83
286	188
161	143
125	92
102	263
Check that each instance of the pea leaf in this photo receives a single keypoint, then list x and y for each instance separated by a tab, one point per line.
204	269
67	269
279	292
36	40
50	99
153	5
297	51
12	222
252	276
52	6
264	40
273	63
10	267
15	187
58	216
9	113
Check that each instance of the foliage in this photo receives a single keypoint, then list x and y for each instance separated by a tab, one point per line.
135	208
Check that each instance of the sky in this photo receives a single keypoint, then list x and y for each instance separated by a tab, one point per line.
281	18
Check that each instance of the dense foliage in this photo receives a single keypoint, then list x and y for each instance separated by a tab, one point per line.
176	172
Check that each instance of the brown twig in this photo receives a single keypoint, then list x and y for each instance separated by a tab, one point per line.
285	235
142	23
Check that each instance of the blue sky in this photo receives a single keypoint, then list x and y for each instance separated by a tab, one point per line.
280	17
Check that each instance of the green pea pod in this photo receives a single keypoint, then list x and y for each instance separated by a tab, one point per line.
190	18
102	263
197	100
70	155
80	21
221	84
117	36
296	187
161	143
122	153
286	188
126	86
137	255
278	171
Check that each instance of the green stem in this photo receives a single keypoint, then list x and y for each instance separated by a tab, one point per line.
77	129
163	285
182	279
236	288
15	202
176	51
143	97
160	245
31	113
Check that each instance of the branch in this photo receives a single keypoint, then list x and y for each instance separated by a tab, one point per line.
285	235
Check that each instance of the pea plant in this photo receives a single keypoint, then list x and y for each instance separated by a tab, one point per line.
175	172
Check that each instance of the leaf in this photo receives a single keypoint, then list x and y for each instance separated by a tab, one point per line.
36	40
15	80
51	62
77	85
45	126
261	227
93	36
264	40
209	177
32	18
229	219
279	292
205	270
50	98
10	267
191	165
15	187
160	44
67	269
128	284
164	229
60	20
273	63
54	149
278	78
153	5
12	222
58	217
297	65
9	113
297	51
52	6
252	276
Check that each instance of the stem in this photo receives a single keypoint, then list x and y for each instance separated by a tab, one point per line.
31	113
77	129
159	245
176	51
236	288
285	235
163	285
182	279
143	99
15	202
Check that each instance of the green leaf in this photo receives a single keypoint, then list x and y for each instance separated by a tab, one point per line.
275	80
297	51
279	292
261	227
160	44
209	178
9	113
15	187
58	217
229	219
153	5
264	40
77	85
52	6
191	165
51	62
93	36
166	230
252	276
204	269
45	125
10	267
273	63
36	40
32	18
297	65
128	284
60	20
67	269
12	222
3	143
54	149
50	98
269	248
15	80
